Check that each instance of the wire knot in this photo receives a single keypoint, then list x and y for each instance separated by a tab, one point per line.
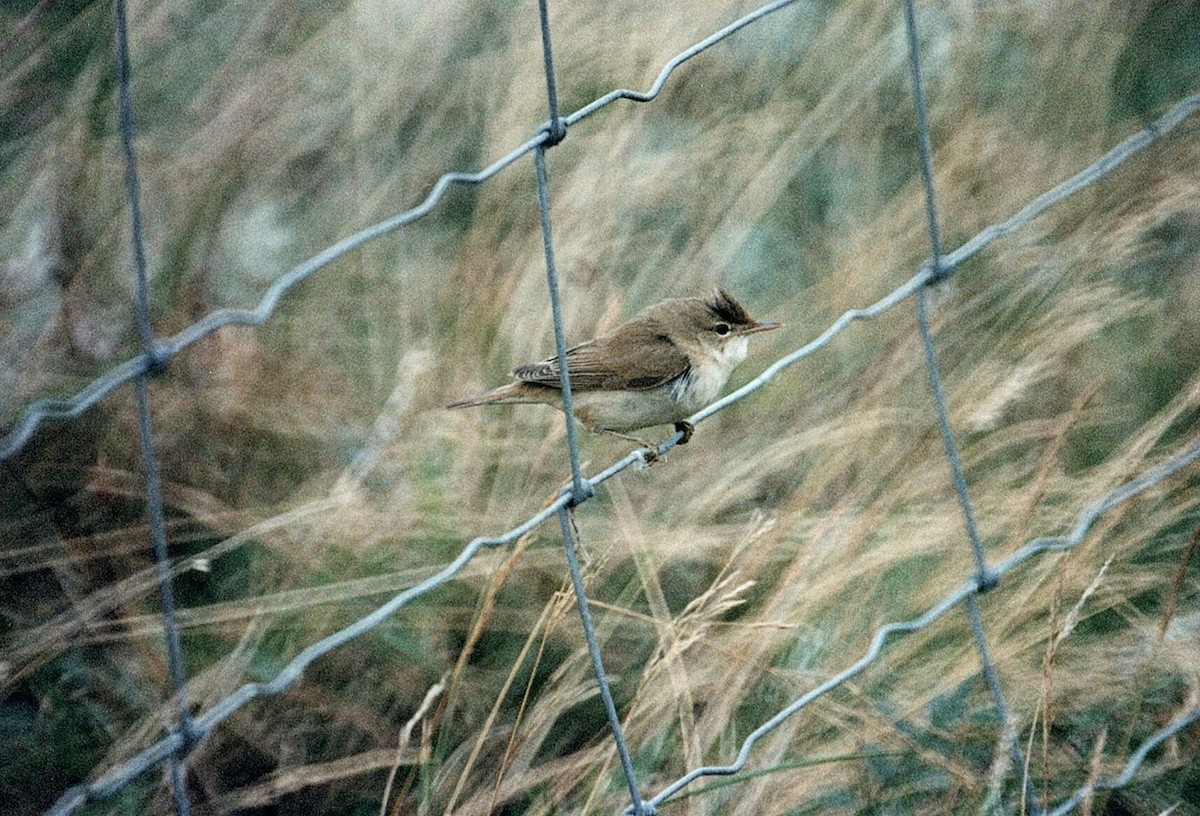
188	735
585	491
156	359
555	130
937	271
987	579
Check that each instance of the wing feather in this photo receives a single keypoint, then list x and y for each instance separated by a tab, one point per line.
648	360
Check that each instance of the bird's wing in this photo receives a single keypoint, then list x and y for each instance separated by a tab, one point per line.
648	360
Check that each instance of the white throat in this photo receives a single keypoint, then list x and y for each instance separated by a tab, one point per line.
710	370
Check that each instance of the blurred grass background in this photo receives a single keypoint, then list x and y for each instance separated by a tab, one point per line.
310	470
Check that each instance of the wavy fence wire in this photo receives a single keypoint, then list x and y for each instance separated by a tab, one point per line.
157	353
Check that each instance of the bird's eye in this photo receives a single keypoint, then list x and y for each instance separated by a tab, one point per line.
721	329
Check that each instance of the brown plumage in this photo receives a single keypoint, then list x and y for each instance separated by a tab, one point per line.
664	364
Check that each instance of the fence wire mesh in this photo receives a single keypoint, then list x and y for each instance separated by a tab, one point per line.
188	729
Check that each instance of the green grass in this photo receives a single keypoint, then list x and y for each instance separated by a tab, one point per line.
310	468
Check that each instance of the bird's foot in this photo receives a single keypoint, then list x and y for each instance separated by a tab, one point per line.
686	428
649	453
649	457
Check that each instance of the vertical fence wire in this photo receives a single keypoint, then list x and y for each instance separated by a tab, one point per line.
580	489
149	456
937	272
156	354
639	806
984	577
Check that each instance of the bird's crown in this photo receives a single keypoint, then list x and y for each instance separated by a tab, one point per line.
723	307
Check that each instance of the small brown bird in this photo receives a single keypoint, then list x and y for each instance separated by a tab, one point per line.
663	365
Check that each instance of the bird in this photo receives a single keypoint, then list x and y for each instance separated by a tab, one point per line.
658	368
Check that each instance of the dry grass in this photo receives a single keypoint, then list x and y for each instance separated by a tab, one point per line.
310	470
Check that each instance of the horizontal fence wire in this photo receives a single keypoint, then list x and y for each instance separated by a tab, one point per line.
158	353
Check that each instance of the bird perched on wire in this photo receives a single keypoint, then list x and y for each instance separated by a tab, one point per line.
658	368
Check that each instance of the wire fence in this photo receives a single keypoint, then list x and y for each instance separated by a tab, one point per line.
159	353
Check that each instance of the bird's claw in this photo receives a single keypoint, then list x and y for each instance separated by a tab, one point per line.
686	428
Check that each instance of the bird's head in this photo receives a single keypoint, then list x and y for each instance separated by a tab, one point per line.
716	326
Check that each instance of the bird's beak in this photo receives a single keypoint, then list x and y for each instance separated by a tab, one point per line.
761	327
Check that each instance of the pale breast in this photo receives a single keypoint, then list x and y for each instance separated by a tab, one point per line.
624	411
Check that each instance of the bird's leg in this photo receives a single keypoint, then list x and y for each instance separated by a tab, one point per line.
627	437
686	428
651	454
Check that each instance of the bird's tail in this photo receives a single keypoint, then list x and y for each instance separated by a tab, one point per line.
513	392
